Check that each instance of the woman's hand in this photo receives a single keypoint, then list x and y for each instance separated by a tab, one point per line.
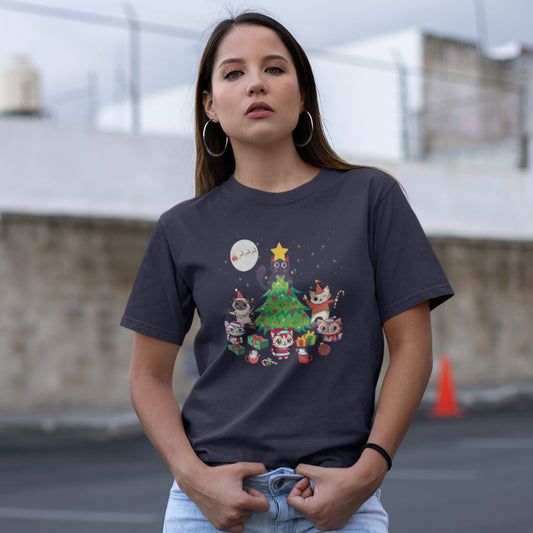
218	493
338	492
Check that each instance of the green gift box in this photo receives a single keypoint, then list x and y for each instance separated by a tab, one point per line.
257	341
237	349
311	338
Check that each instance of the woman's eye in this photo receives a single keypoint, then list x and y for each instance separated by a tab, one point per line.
232	74
275	70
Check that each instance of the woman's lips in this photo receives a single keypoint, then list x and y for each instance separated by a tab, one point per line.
259	110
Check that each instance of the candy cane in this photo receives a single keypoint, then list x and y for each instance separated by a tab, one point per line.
337	298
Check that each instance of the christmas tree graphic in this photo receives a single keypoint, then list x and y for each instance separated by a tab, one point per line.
282	309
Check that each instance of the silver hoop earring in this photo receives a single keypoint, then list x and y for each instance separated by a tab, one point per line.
213	154
310	135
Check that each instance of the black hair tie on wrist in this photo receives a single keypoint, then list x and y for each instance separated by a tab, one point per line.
380	450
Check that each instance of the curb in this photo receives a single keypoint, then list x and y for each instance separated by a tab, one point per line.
94	423
115	422
485	398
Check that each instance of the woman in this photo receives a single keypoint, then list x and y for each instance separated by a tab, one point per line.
296	262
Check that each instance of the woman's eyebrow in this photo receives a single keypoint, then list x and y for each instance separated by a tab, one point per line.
275	56
240	60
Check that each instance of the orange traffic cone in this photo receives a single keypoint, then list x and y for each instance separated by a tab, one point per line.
446	405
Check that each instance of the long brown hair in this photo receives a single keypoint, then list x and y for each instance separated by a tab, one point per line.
212	171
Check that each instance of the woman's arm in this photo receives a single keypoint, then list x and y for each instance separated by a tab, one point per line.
339	492
150	381
216	490
410	347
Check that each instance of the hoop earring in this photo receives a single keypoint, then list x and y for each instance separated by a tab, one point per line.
213	154
301	145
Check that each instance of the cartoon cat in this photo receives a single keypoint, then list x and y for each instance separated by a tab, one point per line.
234	332
241	309
319	303
282	340
278	267
330	329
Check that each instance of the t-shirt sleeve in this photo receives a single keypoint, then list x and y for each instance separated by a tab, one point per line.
407	272
160	304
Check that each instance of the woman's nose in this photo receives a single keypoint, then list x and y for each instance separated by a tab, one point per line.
256	86
256	89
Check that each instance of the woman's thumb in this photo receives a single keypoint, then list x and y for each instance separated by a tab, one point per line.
308	471
251	469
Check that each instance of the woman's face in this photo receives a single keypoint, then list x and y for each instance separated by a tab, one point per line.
255	93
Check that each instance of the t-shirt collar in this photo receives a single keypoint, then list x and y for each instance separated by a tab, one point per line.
235	187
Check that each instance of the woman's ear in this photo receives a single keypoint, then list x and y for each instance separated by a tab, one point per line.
207	101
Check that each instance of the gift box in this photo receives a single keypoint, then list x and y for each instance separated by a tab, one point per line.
301	341
257	341
237	349
310	337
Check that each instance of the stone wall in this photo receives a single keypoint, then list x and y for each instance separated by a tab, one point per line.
64	282
486	326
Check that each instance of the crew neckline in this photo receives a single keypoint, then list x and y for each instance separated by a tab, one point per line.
265	197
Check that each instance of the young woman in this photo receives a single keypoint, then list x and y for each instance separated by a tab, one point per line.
296	262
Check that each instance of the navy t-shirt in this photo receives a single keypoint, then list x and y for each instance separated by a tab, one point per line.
292	289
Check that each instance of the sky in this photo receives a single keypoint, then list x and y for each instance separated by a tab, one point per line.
67	53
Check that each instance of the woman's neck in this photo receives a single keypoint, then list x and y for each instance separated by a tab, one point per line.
272	170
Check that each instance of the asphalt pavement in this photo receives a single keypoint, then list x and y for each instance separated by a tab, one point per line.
466	475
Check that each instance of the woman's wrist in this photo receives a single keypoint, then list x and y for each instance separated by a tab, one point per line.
188	472
381	451
372	466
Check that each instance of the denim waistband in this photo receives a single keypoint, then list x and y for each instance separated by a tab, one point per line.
274	482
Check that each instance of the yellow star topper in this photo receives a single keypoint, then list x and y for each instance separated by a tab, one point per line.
279	252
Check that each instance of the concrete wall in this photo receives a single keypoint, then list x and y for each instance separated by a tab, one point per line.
486	326
470	101
46	168
64	282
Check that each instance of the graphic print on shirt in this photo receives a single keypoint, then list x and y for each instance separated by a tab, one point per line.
282	309
288	324
319	302
244	255
279	266
234	334
330	329
241	309
282	340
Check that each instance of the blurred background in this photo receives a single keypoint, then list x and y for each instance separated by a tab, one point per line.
96	140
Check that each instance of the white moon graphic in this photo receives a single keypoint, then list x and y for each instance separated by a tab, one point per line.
244	255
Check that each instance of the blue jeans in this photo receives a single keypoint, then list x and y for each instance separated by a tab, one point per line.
183	515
